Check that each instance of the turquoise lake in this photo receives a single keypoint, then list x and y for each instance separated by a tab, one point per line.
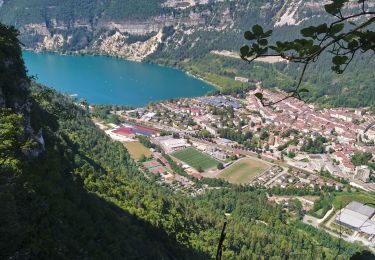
105	80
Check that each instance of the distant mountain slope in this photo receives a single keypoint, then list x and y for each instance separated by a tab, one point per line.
199	28
77	25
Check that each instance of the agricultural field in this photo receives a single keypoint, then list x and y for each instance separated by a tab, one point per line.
196	159
136	150
243	171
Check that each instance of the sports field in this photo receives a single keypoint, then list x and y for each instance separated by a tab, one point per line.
195	158
136	149
243	171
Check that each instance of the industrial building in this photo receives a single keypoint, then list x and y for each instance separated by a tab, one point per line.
170	144
362	173
131	131
219	101
358	217
216	153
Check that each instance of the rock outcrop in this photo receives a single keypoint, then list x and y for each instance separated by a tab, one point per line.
117	45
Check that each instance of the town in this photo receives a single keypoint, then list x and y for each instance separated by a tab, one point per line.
237	139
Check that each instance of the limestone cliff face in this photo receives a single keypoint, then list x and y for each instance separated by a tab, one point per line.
116	45
51	43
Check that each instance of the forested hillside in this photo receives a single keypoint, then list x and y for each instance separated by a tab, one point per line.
82	196
35	11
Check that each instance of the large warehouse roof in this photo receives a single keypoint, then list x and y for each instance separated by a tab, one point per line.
351	218
357	216
360	208
369	227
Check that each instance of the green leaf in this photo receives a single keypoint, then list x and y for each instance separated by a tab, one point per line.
314	49
263	42
262	51
335	7
259	95
339	60
323	28
257	30
303	90
255	47
353	44
308	32
331	9
249	36
267	34
244	51
337	28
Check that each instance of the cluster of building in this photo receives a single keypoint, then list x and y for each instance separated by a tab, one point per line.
307	202
359	218
217	153
347	131
279	177
220	101
170	144
128	132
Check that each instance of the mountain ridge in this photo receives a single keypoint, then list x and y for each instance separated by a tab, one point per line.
80	31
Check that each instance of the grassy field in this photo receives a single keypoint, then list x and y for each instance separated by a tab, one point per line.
196	159
136	149
341	199
243	171
344	198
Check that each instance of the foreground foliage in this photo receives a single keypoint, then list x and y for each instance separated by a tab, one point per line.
349	34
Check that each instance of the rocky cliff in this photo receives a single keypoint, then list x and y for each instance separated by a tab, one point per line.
205	25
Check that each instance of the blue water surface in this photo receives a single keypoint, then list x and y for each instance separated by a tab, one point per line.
105	80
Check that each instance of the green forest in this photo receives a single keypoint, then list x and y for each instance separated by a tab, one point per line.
37	11
79	195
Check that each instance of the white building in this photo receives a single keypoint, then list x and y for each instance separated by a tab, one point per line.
241	79
362	173
357	216
170	144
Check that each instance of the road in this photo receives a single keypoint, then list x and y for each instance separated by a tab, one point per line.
316	221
